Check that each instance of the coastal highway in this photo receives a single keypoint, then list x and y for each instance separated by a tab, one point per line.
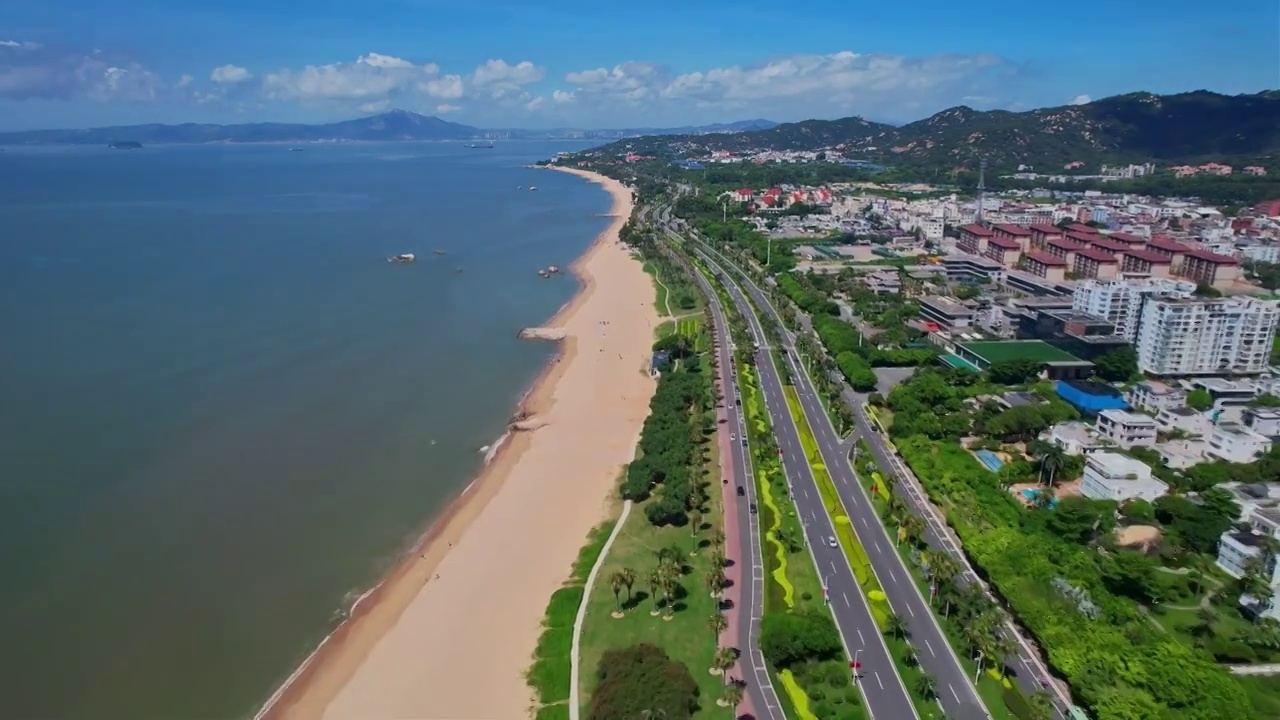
882	688
759	687
1030	671
956	693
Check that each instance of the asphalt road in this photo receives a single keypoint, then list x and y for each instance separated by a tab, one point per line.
955	693
1030	672
882	688
758	684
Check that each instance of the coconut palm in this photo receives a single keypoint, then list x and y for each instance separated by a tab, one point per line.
896	506
717	558
715	581
616	582
1001	648
725	658
1051	462
927	686
695	523
628	579
912	526
656	579
895	626
732	696
717	537
717	622
909	657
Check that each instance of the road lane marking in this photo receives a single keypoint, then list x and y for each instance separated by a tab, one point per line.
861	639
846	600
881	684
953	692
930	646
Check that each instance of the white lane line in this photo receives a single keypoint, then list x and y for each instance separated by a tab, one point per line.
912	612
953	692
878	682
864	522
930	646
861	639
846	600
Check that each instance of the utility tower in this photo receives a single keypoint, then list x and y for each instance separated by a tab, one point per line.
982	187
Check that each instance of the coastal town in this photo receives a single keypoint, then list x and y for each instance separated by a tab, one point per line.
1075	374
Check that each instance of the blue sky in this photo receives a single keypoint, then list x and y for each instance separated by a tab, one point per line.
548	63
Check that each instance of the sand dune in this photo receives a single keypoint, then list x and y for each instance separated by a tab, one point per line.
451	632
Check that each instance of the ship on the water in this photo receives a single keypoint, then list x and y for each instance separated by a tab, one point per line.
402	258
480	145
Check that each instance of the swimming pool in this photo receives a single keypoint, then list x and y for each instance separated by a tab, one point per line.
1032	493
990	459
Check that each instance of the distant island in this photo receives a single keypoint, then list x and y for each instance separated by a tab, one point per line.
396	125
124	145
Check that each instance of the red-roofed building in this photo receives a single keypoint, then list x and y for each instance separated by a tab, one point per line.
1017	233
1146	261
1102	242
1040	234
973	239
1092	262
1268	208
1081	228
743	195
1209	268
1170	248
1083	238
1045	265
1128	238
1003	250
1061	247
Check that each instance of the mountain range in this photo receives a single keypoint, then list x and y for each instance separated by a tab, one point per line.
393	125
1125	128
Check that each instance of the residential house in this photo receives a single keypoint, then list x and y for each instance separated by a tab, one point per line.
1126	429
1236	443
1154	396
973	239
1241	551
1111	476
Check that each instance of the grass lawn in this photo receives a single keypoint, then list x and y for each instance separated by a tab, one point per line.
687	637
997	350
660	302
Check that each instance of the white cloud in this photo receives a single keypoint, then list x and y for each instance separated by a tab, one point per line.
375	107
884	86
30	70
1081	100
229	74
535	103
446	108
449	87
562	96
387	61
185	80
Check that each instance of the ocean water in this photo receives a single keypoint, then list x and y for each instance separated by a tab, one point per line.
223	415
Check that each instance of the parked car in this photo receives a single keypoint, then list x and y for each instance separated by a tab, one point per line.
741	491
753	508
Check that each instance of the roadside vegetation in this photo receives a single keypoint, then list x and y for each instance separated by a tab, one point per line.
1087	600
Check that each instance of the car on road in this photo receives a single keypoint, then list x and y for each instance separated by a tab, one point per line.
741	491
737	401
744	442
733	437
831	541
753	508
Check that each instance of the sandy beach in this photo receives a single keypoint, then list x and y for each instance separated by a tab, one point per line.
449	633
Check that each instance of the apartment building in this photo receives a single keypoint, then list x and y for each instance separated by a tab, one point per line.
1095	263
1183	419
1194	336
1264	421
973	239
1210	268
1236	443
946	312
1140	261
1239	551
1126	429
1042	264
1153	396
1111	476
1119	301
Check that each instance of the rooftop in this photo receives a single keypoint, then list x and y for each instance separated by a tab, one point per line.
1108	245
1046	229
1124	417
976	230
1096	254
1066	243
1148	255
1013	229
946	305
1212	257
1045	258
996	350
1116	466
1007	243
1128	238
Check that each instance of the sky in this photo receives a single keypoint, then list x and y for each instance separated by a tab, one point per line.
600	64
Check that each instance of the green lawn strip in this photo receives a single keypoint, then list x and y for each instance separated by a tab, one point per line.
549	674
661	302
999	695
665	328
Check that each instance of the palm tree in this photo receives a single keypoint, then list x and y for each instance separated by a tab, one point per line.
657	577
717	537
695	523
715	581
717	622
895	507
926	685
616	583
895	626
1051	462
1041	706
732	696
1001	648
670	577
912	526
628	579
717	558
724	659
909	657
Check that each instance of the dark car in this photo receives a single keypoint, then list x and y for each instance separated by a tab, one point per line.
753	508
737	401
741	491
744	442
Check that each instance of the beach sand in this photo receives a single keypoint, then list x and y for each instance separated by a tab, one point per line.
450	633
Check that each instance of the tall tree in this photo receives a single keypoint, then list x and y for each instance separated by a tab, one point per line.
717	622
895	625
616	582
926	686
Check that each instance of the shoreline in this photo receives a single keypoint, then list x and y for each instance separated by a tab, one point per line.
313	686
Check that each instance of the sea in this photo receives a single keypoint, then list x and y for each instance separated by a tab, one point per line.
224	415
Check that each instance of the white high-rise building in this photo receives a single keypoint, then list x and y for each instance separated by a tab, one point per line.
1119	301
1196	336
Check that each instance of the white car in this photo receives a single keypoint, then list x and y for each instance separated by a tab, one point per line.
831	541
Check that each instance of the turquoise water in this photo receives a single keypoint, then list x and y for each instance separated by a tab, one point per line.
990	459
224	415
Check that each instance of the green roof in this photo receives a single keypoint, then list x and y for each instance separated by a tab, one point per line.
999	350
